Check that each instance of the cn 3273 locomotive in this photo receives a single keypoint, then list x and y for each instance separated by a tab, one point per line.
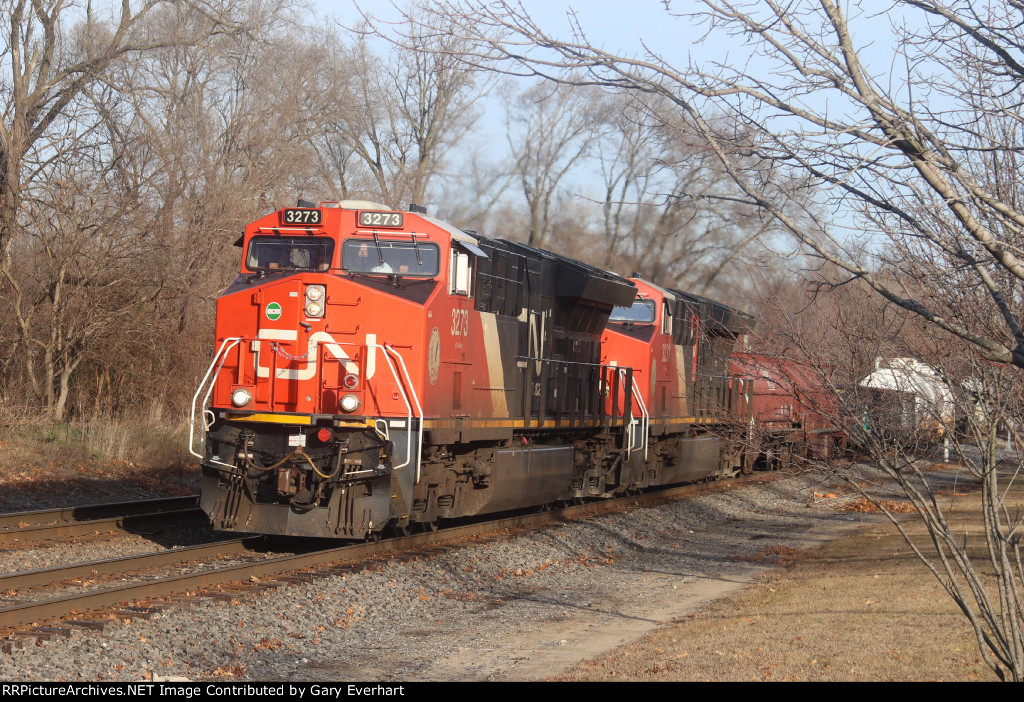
381	369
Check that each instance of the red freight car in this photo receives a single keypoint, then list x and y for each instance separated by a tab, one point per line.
791	409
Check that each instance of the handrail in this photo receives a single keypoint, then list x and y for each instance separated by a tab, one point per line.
419	410
388	352
405	399
645	418
645	414
632	420
221	355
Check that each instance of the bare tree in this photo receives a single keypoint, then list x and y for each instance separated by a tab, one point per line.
397	115
666	210
67	262
105	196
216	134
474	192
890	381
914	158
550	130
51	53
875	152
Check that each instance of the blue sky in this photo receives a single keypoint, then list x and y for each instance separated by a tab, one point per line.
617	25
625	26
621	26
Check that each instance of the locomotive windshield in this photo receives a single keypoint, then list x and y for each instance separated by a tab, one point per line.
272	253
412	258
642	312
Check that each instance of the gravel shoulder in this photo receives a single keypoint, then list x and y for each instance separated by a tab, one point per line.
861	608
539	605
641	600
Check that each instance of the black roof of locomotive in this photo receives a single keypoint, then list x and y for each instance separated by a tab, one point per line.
721	318
569	279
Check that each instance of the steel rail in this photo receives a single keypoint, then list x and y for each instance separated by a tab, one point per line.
121	564
32	612
98	511
42	532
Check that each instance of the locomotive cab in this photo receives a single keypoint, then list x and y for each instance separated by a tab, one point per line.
312	422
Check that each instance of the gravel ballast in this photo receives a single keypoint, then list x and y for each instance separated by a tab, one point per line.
518	609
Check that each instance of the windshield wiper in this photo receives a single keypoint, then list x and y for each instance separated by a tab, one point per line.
416	247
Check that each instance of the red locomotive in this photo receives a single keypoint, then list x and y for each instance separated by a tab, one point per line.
377	368
695	412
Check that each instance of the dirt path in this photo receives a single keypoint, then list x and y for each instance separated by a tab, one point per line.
860	608
843	601
661	598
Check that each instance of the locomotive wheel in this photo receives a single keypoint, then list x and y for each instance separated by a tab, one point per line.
428	527
401	531
373	536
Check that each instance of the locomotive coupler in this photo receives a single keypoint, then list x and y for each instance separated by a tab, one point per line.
290	481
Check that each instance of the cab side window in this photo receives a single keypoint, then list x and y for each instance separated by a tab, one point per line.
460	273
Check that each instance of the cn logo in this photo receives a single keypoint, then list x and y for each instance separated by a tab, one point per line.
332	346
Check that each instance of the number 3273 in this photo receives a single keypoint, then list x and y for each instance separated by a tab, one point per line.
460	322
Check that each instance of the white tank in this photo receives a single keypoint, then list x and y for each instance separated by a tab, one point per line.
932	398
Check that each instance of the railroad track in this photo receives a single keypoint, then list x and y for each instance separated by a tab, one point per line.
41	525
260	573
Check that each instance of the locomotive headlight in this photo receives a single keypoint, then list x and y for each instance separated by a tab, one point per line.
350	381
314	300
241	397
349	403
314	309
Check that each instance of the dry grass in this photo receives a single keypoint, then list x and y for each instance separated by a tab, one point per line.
861	608
106	458
147	438
865	505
